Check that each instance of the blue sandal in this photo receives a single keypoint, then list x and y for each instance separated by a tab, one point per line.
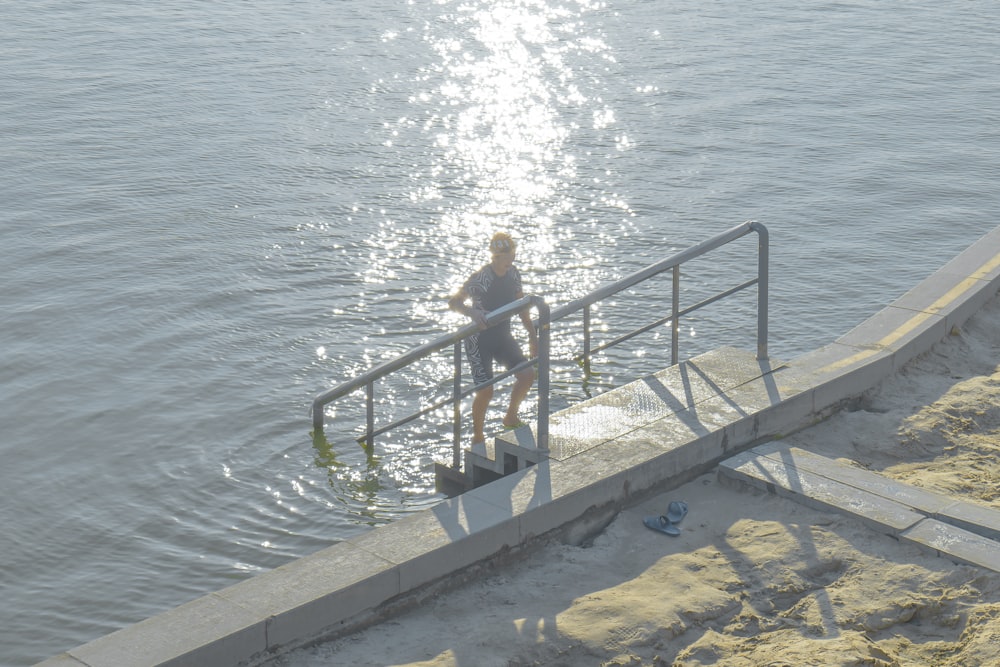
661	524
676	511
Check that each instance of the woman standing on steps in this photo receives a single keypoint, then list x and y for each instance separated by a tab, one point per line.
491	287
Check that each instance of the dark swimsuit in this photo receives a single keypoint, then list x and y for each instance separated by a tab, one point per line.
488	292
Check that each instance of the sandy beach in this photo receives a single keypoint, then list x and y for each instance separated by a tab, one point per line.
753	579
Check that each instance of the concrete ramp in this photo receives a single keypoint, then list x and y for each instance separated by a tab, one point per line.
957	530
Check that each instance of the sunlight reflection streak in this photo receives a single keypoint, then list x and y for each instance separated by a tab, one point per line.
512	84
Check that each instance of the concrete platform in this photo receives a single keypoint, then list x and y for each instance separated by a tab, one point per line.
605	454
693	399
930	520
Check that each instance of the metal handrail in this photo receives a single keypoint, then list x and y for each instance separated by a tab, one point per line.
545	318
663	320
673	263
367	380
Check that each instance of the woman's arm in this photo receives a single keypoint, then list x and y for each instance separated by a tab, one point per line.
458	303
530	326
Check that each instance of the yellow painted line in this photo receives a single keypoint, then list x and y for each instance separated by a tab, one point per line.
911	324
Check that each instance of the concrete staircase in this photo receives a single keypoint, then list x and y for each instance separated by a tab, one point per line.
678	403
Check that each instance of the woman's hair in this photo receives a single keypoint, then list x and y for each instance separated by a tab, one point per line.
502	242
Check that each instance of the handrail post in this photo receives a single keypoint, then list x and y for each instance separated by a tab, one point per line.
544	366
763	259
370	414
317	415
675	324
456	408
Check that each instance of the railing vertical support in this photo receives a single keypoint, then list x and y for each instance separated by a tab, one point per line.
675	307
586	340
317	415
544	366
370	413
456	409
763	253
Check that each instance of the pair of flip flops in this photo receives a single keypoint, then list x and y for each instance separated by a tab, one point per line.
667	523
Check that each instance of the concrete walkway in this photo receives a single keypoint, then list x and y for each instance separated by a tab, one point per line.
957	530
605	454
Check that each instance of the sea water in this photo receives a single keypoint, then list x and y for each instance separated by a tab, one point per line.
211	212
